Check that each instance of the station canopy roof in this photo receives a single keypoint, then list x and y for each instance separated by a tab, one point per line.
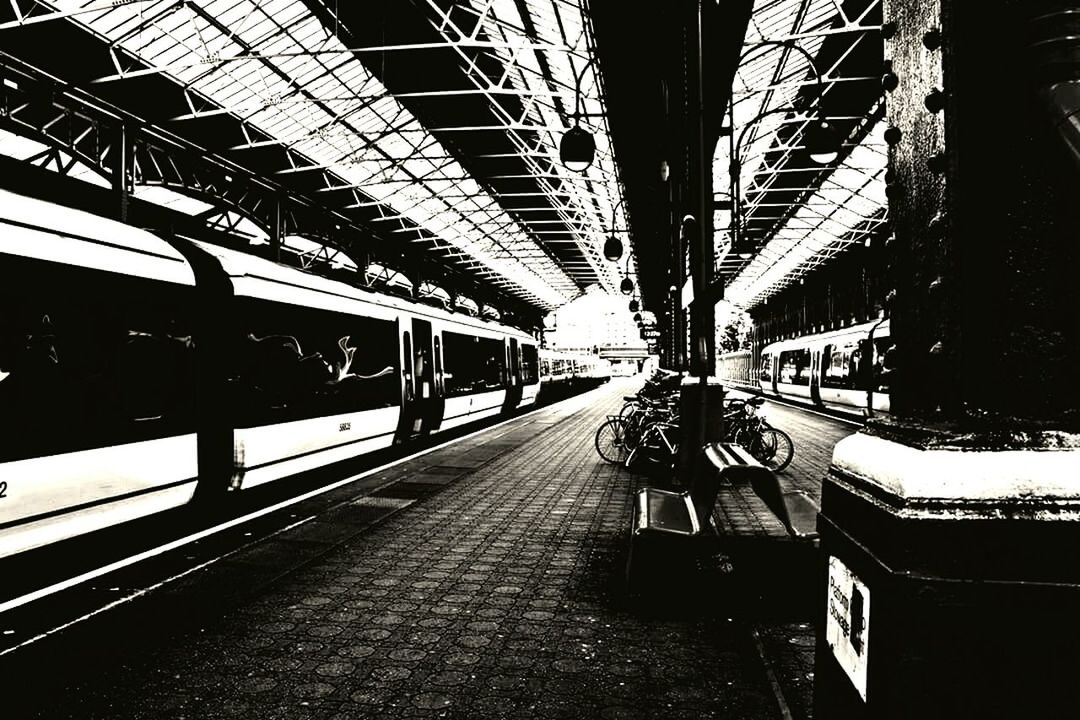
797	214
431	122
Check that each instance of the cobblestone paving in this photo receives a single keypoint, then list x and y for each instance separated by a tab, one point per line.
499	597
789	648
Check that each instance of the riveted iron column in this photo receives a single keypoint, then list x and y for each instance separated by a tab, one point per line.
948	587
702	394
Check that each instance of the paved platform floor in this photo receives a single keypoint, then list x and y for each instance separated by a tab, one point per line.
497	596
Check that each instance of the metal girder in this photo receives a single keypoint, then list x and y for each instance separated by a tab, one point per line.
839	37
226	53
516	66
87	130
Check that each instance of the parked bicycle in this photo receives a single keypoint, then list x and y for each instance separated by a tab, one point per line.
647	427
744	425
619	435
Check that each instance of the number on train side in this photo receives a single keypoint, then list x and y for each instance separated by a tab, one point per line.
3	489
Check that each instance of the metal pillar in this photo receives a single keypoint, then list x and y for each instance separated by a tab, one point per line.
277	231
702	395
949	588
122	175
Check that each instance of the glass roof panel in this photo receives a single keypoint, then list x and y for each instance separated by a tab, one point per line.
782	37
838	214
241	69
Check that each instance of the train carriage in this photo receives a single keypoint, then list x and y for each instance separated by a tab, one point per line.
138	373
841	369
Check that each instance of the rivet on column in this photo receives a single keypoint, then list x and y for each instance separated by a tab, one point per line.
889	81
931	39
935	101
936	226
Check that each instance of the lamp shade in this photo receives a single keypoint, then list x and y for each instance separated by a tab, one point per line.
577	149
627	286
822	141
634	307
613	248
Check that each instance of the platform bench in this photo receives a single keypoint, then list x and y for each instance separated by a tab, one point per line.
794	508
673	529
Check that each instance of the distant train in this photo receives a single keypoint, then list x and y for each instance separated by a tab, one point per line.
846	368
841	369
140	373
572	370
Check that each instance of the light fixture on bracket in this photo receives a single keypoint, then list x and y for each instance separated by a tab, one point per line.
577	149
820	138
613	246
626	287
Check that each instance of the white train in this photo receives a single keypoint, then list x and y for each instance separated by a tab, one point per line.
573	370
139	373
846	368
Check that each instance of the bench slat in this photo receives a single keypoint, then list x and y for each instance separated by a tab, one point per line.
803	514
796	512
666	511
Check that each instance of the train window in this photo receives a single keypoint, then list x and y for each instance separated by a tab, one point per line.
473	364
766	369
529	369
794	367
842	366
884	363
91	359
292	363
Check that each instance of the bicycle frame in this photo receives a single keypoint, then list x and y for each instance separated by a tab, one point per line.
658	429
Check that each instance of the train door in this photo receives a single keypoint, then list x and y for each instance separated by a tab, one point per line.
817	361
438	400
408	393
513	375
421	407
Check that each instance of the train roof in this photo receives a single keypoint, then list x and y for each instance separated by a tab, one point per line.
258	277
55	233
880	327
549	353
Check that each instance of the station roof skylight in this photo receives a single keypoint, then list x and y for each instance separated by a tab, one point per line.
286	70
796	214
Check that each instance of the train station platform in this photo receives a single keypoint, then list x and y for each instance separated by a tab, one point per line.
482	579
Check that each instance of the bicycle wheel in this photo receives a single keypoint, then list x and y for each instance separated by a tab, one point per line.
773	448
609	441
629	408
